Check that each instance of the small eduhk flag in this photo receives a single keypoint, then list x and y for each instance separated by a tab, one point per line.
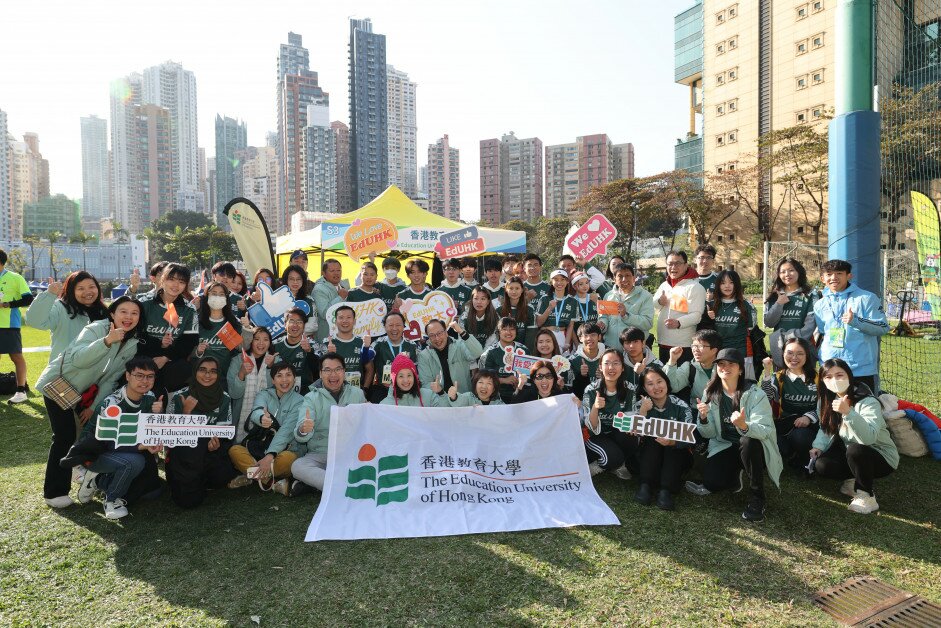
384	482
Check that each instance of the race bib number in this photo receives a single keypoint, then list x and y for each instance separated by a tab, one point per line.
387	375
836	336
353	379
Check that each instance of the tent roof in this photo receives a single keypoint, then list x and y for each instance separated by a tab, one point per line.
394	205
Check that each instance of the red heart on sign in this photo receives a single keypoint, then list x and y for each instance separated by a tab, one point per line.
413	332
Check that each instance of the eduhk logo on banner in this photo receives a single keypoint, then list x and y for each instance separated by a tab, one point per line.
384	482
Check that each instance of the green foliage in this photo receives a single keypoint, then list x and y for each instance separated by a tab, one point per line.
190	238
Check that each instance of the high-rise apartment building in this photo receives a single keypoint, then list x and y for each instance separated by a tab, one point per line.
510	179
40	166
369	130
403	131
423	181
96	181
231	137
28	180
688	71
297	89
573	169
170	86
6	184
125	179
53	213
766	66
344	177
257	179
320	161
444	179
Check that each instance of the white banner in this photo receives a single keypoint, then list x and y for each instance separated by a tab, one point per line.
406	472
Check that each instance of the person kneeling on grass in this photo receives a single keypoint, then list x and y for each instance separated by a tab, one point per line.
853	443
313	424
193	470
269	443
123	471
736	418
662	461
609	449
406	389
485	384
794	390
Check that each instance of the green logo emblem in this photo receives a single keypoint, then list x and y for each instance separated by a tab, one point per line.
117	426
383	482
237	216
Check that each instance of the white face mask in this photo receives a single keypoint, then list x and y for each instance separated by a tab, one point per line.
216	302
390	273
838	386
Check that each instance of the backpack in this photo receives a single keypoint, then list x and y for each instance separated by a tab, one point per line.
7	383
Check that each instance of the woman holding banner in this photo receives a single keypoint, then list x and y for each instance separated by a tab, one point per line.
220	333
662	461
608	448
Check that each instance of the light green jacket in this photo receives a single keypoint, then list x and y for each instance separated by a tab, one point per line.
679	379
757	410
285	411
48	312
325	294
319	401
428	400
864	425
468	399
639	312
88	361
462	357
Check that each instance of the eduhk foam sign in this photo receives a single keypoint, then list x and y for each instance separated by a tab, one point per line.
592	238
460	243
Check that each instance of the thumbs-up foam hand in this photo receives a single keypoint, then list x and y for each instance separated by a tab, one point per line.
271	305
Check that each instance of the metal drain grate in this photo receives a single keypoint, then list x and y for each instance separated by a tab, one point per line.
869	602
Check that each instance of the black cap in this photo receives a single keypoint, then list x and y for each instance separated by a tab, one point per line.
731	355
298	253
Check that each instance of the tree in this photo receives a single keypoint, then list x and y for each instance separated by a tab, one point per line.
548	239
83	238
626	203
55	255
16	261
797	157
679	193
738	187
33	241
911	154
167	236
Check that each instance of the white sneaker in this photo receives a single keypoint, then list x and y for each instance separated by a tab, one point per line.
59	502
115	509
594	468
697	489
848	487
78	472
622	473
19	397
88	487
864	503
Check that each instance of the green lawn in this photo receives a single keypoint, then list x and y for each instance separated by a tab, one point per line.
242	554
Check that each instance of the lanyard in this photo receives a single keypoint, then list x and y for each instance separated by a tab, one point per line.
397	350
837	316
583	310
558	310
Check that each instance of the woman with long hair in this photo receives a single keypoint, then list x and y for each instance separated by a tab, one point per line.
662	461
543	382
214	314
515	305
295	278
247	376
853	443
789	310
406	389
792	392
92	364
734	317
561	311
193	470
66	308
736	418
480	317
266	276
609	273
609	449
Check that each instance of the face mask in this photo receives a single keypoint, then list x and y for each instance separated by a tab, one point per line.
390	273
216	302
838	386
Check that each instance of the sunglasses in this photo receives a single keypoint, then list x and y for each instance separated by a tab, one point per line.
542	376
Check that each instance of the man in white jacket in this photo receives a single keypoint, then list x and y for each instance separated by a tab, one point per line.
682	300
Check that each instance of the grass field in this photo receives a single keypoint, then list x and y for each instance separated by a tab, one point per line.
242	554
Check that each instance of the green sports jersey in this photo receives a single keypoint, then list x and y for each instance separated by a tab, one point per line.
478	330
297	358
587	311
495	293
562	314
351	351
12	288
408	293
797	397
460	293
217	348
220	416
386	352
542	289
708	282
494	359
156	326
612	405
358	295
795	311
733	326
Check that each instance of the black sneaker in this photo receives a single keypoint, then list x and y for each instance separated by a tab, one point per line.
665	500
644	495
299	488
755	510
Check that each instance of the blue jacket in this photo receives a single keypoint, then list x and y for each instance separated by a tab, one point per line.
861	340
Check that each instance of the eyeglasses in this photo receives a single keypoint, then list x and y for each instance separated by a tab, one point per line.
795	354
700	347
704	258
542	376
676	263
144	377
205	371
438	334
331	371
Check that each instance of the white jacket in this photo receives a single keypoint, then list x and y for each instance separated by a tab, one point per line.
694	295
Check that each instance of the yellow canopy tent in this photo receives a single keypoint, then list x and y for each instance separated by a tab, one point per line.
418	232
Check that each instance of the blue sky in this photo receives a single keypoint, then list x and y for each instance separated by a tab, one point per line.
551	69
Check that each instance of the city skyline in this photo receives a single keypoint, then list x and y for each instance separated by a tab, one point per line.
522	79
